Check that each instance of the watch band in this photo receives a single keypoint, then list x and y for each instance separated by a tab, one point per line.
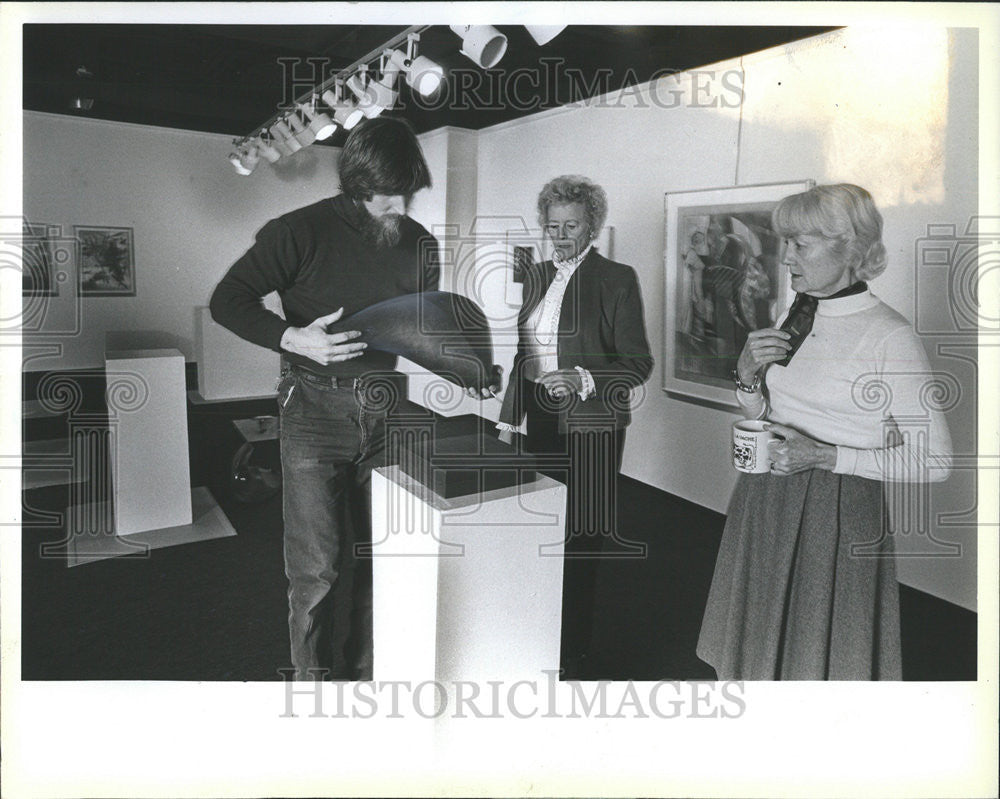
741	386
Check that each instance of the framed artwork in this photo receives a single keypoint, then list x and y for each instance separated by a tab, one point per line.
529	246
106	261
723	280
39	256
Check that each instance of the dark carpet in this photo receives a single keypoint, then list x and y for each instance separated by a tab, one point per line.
216	610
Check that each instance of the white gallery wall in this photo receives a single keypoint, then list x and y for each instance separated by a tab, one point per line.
895	111
191	215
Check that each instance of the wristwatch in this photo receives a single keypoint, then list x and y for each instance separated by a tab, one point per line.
741	386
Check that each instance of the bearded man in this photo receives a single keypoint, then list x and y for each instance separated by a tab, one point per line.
334	257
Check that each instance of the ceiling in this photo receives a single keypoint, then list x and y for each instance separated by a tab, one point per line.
230	79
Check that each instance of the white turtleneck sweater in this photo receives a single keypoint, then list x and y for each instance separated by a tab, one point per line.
861	381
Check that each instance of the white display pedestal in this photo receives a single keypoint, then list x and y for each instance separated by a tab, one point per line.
467	588
152	504
148	411
230	368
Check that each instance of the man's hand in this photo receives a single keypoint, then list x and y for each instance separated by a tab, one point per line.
562	382
314	343
496	381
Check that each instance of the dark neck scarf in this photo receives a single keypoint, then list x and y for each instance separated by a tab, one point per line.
802	313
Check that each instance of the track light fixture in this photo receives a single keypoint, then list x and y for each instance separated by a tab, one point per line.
484	44
266	146
345	114
305	136
422	74
384	88
250	157
246	156
543	34
308	121
284	136
319	122
234	159
362	89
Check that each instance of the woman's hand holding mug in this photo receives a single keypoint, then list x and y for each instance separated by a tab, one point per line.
792	451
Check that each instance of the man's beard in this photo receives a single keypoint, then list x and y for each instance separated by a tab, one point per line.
384	231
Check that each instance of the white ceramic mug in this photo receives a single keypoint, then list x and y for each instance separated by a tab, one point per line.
750	441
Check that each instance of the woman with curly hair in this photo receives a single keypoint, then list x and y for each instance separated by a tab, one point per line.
805	581
582	348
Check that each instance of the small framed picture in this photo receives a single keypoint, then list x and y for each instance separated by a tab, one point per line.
38	259
522	259
106	261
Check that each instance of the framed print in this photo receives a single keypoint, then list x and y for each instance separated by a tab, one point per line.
105	260
723	280
38	259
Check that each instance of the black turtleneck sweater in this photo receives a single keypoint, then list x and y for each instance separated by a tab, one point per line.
317	260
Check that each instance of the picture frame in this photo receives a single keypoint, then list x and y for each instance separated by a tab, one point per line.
105	261
722	279
39	257
527	246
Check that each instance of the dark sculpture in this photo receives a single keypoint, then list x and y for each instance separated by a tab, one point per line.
443	332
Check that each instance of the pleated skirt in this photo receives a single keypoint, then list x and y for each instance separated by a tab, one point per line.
805	583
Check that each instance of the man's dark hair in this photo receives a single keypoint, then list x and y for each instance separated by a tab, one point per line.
382	156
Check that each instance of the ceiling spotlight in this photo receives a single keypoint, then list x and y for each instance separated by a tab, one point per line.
250	156
484	44
236	159
267	148
543	34
344	114
367	102
385	88
422	74
283	135
319	123
304	135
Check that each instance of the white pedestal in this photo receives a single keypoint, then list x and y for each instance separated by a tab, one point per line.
148	414
467	588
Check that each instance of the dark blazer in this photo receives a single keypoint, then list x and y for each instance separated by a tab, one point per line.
601	328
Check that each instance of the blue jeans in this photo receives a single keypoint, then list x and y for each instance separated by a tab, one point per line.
332	435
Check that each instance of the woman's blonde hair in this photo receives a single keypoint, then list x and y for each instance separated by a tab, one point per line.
843	213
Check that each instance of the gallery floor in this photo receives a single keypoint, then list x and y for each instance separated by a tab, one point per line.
215	610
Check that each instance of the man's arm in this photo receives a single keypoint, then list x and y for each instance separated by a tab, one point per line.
271	265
